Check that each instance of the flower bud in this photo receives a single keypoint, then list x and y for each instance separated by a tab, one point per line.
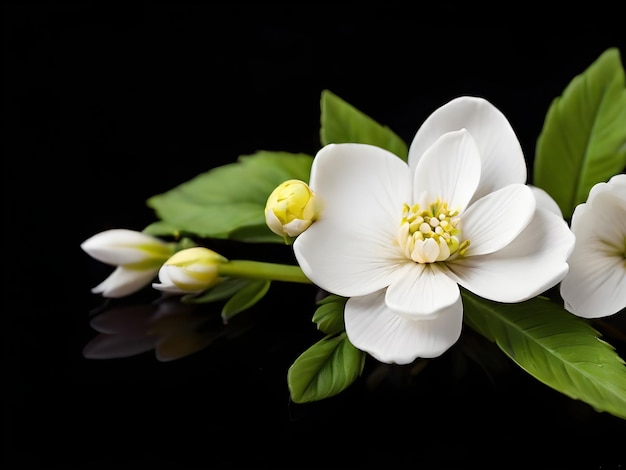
291	208
190	271
138	257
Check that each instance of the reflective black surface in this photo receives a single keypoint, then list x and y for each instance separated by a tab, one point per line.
106	106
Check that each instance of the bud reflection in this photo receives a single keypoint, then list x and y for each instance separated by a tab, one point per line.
171	328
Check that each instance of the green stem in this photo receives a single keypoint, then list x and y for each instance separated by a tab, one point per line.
261	270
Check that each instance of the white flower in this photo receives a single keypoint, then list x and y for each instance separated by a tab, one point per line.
290	209
595	285
138	257
190	271
398	239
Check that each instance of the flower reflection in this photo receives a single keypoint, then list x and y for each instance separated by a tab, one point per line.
171	328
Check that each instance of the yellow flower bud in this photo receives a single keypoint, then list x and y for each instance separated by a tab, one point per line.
291	208
190	271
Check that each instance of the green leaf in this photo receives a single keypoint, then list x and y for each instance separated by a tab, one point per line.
245	298
325	369
329	314
229	201
162	229
222	291
342	122
255	234
557	348
583	140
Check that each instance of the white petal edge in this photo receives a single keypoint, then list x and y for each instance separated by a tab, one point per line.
545	201
167	284
528	266
120	246
393	339
347	178
423	293
616	185
183	276
449	170
595	285
501	153
350	249
496	219
122	282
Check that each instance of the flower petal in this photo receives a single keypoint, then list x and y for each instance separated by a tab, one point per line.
423	293
616	185
351	177
501	153
191	279
449	170
166	284
390	338
595	285
122	246
531	264
545	201
350	249
122	282
496	219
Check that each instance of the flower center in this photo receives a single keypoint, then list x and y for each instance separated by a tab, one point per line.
431	234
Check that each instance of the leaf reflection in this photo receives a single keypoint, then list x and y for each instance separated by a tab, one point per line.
171	328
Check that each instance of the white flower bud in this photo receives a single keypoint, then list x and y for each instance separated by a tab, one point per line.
138	257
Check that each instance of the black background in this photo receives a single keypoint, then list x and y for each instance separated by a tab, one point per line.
105	106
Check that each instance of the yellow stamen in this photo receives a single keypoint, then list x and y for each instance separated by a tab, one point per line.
438	224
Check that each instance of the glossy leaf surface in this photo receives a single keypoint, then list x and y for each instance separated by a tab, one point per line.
341	122
559	349
583	140
325	369
228	201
